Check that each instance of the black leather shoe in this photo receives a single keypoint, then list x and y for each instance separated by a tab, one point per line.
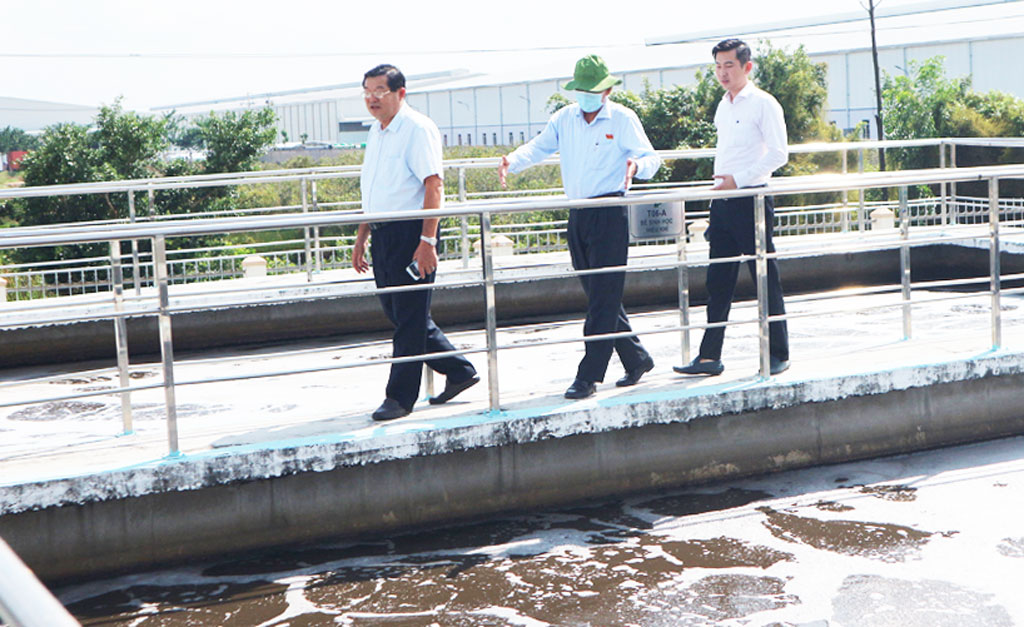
776	365
389	410
451	390
711	368
633	376
581	389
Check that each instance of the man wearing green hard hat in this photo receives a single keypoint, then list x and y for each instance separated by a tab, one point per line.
602	147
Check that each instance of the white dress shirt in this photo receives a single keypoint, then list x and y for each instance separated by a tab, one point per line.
593	156
397	161
751	136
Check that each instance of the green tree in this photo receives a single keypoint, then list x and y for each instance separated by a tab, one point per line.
124	144
234	141
16	139
800	86
925	103
129	143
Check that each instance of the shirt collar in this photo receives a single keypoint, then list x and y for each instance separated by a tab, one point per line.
747	90
396	122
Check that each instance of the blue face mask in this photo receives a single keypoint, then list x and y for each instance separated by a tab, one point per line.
589	102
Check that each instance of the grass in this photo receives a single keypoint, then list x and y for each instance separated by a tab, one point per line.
6	178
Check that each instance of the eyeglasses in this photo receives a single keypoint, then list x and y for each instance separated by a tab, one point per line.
378	93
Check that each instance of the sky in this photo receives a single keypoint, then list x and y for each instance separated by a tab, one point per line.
152	53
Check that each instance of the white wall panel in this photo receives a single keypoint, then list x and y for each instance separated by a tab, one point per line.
539	94
440	108
419	102
684	76
958	57
993	63
514	108
462	108
634	81
836	80
488	106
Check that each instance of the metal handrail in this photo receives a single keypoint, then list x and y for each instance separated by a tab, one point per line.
24	600
73	234
347	171
159	232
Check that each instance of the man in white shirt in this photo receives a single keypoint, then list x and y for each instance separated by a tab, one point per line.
602	146
751	146
402	171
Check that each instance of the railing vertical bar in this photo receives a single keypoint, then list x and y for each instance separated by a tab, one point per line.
166	344
24	600
464	220
994	262
954	210
904	218
120	334
317	260
135	245
944	187
684	290
761	265
862	223
305	231
486	255
844	218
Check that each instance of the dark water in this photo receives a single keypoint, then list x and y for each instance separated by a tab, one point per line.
668	559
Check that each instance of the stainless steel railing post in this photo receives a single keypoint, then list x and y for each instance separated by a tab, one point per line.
121	333
486	255
305	232
151	197
952	186
166	344
844	218
684	291
24	600
994	265
317	252
464	220
761	264
904	218
136	277
943	187
862	222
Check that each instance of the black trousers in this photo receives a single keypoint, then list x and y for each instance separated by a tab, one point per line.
392	245
731	233
598	238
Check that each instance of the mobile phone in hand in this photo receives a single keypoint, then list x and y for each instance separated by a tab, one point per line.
414	270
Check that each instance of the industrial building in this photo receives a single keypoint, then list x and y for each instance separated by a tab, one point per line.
506	107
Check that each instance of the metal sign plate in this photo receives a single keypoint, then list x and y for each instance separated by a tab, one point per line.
660	220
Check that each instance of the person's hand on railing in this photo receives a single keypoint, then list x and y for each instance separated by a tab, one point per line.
503	172
630	172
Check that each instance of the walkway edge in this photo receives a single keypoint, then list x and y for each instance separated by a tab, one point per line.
243	498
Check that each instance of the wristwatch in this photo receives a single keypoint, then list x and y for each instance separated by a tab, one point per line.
430	240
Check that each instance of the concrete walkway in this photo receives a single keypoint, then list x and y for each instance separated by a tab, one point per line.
80	437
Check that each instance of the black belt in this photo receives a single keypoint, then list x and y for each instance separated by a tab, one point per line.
377	226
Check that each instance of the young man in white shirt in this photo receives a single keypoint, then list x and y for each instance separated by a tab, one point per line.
402	171
751	145
602	146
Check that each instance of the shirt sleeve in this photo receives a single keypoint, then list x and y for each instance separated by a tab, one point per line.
423	154
633	141
537	149
776	148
